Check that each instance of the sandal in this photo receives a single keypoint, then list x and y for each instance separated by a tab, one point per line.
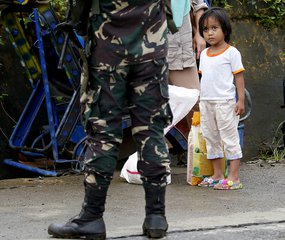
208	182
228	185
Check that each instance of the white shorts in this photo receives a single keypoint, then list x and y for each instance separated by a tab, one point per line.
219	126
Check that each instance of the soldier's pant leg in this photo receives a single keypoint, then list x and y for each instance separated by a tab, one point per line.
104	104
150	113
144	86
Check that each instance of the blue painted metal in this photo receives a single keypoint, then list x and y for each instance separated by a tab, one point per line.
80	39
71	63
177	139
22	1
46	86
69	120
241	134
27	117
64	126
126	122
36	170
77	134
62	119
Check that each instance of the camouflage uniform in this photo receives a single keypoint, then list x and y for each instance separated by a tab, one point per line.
127	68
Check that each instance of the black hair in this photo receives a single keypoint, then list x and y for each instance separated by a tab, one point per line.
222	17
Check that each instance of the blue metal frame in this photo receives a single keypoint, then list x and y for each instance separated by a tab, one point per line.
60	129
49	107
27	117
36	170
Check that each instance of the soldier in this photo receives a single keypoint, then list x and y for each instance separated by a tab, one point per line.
126	67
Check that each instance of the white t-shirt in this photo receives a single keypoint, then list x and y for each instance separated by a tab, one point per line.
217	82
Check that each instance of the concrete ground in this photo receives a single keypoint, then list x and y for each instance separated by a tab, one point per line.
29	205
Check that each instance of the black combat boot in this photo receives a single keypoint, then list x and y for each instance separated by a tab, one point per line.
155	224
89	223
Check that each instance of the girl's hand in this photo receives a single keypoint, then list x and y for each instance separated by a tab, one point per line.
239	108
199	44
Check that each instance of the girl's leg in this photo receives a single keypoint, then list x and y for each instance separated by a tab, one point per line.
218	167
228	127
234	170
232	182
210	132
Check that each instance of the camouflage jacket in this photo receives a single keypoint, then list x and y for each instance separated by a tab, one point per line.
128	32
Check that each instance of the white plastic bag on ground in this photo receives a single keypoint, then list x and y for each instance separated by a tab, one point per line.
130	171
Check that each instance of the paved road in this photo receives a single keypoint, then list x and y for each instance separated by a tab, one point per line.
264	231
28	206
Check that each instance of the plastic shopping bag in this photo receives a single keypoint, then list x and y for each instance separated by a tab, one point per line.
181	101
130	171
198	166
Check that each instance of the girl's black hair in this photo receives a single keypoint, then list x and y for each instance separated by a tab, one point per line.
222	17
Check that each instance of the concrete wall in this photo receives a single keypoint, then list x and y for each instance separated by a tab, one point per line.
263	57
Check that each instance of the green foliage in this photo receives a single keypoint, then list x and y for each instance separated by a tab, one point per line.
221	3
1	35
274	154
60	8
276	150
271	13
3	96
268	13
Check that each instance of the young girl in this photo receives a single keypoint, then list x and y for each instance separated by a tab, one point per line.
222	76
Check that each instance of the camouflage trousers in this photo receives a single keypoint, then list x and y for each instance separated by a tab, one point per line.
143	89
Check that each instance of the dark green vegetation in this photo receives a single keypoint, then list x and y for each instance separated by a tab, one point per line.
268	13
